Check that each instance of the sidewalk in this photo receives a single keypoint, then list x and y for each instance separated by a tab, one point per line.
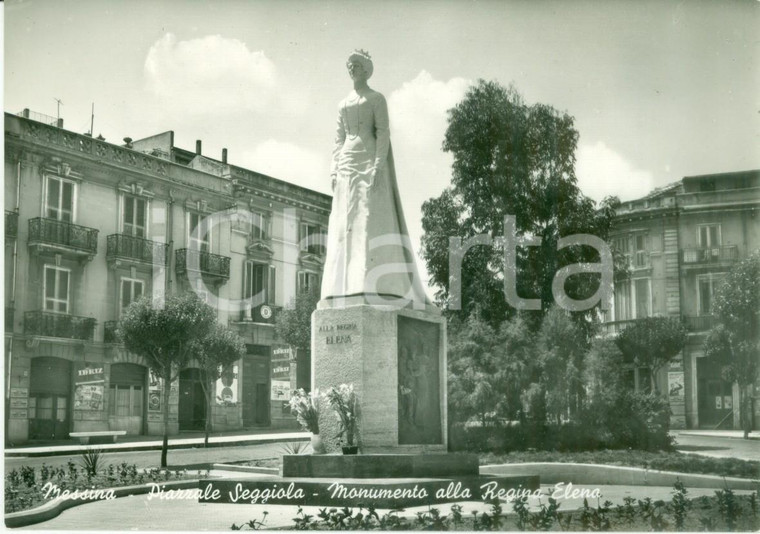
733	434
185	440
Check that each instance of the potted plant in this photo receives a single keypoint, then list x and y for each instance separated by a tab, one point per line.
343	400
305	407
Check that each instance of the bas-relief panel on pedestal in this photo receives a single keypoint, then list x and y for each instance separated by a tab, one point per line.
419	395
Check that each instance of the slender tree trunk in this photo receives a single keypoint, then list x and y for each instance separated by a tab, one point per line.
207	386
165	409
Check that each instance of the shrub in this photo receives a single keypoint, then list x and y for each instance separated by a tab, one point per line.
626	419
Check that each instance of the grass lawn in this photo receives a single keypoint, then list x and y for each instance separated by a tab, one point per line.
661	461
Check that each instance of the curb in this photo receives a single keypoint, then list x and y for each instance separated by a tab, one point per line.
552	473
246	469
21	453
55	507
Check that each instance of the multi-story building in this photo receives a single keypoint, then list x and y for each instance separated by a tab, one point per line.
91	226
680	240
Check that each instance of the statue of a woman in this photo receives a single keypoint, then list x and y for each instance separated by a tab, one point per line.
369	253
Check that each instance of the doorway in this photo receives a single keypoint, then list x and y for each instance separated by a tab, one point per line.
256	389
715	396
49	393
192	401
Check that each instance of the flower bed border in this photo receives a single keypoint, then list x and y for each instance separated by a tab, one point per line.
54	508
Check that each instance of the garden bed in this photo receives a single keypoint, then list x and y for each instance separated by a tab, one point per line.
28	488
660	461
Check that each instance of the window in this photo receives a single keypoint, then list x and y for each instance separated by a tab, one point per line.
708	235
135	216
259	282
640	255
125	401
251	223
258	226
199	235
643	297
131	290
308	281
623	310
56	289
706	287
59	199
312	239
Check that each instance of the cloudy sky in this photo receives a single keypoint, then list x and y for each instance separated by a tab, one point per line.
659	90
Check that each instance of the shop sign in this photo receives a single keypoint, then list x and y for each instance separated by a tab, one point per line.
18	402
281	390
728	402
675	384
281	358
227	386
88	386
18	414
19	392
154	392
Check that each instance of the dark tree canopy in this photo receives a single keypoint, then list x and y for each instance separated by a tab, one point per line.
510	158
293	324
735	341
652	342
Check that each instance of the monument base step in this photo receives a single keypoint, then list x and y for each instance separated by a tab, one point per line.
379	465
365	493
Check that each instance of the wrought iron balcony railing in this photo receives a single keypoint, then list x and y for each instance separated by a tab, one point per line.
615	327
43	231
11	224
40	323
699	323
109	332
188	260
706	255
122	246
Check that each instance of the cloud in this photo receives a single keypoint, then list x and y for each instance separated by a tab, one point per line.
601	172
210	73
288	162
418	124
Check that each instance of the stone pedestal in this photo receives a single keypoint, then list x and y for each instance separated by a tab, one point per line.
396	360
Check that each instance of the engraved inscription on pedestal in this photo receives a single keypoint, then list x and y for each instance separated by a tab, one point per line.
419	396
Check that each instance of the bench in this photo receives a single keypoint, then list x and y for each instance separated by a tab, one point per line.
100	436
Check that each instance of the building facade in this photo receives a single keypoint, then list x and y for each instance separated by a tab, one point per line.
680	241
91	226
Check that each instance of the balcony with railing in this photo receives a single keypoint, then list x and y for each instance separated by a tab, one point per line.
709	255
48	324
109	332
122	248
52	236
699	323
209	265
11	224
613	328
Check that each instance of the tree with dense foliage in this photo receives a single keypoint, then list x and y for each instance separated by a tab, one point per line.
488	369
166	335
293	324
215	354
561	349
735	341
510	158
604	368
652	342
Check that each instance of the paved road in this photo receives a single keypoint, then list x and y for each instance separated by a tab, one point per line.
177	459
138	513
719	446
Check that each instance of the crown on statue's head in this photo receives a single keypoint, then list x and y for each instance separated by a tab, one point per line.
362	52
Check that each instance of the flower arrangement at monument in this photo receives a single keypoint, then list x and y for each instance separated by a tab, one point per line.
344	402
305	407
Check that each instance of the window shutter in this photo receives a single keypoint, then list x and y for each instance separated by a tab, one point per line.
271	285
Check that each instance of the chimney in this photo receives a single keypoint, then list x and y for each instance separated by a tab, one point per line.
224	155
198	147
